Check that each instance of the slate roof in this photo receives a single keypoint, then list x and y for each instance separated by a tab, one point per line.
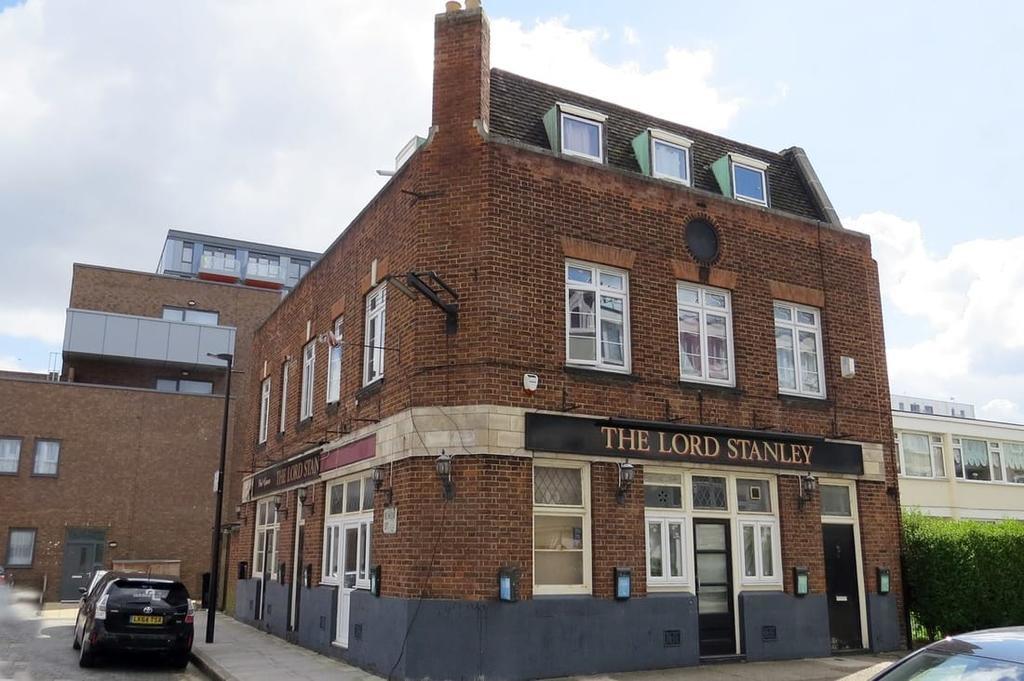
518	106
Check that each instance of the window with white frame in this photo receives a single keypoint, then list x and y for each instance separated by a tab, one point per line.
667	526
10	455
988	460
334	363
670	156
582	132
21	545
264	409
285	370
705	334
308	375
265	549
348	530
596	316
798	355
47	457
749	181
376	320
921	455
758	531
561	528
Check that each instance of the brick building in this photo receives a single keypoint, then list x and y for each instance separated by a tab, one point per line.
112	461
635	369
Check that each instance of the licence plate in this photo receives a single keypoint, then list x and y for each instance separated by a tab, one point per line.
147	619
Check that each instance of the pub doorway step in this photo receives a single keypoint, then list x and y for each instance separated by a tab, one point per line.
722	659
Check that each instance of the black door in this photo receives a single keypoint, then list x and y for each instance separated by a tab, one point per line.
841	585
714	587
83	555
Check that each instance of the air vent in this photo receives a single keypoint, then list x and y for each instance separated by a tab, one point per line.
769	633
673	638
357	632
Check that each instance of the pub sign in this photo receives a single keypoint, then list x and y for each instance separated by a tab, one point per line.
286	474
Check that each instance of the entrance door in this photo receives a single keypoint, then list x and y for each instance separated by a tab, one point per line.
293	618
83	555
841	586
714	587
348	547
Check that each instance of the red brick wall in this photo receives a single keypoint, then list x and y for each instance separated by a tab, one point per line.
618	534
136	462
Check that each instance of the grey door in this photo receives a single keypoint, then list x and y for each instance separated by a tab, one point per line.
83	555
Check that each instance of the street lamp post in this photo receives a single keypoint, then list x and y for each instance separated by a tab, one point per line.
218	488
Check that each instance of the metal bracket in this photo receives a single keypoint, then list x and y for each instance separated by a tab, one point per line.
432	287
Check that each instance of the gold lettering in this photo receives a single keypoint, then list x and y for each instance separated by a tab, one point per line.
608	432
755	453
676	440
695	446
771	450
663	448
643	444
711	446
808	449
731	444
744	446
792	451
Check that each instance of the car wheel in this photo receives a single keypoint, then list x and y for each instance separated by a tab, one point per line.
86	657
75	645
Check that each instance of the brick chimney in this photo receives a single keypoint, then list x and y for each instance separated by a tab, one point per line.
462	69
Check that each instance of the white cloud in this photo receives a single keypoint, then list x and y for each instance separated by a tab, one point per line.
552	51
1001	410
259	120
963	310
630	36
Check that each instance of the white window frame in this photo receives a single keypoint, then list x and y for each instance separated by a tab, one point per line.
32	551
308	380
994	448
17	454
334	357
598	290
670	140
702	311
936	451
260	529
752	164
795	327
264	409
1005	444
36	460
283	418
759	520
584	116
665	516
373	352
583	511
334	524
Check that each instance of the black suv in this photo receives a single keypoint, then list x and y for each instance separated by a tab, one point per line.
125	611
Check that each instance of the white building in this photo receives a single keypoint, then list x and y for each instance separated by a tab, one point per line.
958	466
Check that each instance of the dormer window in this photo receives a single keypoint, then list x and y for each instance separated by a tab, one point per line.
748	179
664	155
575	131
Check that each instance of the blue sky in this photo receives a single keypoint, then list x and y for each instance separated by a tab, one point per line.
123	119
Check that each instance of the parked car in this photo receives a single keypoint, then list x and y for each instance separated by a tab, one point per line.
124	611
6	577
989	655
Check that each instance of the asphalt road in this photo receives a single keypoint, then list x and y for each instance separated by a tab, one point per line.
34	648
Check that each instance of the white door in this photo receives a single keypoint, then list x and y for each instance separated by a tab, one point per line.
348	575
296	566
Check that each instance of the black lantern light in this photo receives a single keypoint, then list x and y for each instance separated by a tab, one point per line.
378	477
808	483
444	471
626	474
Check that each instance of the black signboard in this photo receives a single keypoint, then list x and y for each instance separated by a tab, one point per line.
287	473
690	443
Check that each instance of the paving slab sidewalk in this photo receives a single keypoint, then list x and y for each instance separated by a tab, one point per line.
844	668
242	653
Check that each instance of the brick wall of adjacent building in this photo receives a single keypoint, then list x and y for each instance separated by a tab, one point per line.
134	462
497	221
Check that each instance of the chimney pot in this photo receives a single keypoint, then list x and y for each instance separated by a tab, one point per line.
452	6
472	4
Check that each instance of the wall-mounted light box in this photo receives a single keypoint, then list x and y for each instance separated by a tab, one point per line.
375	580
508	584
801	581
884	580
623	583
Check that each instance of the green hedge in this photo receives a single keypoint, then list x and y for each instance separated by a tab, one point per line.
963	575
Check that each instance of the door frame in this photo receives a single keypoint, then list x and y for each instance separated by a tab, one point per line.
854	520
293	600
730	527
70	540
346	525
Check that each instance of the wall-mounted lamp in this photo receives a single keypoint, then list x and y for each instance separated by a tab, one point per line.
623	583
375	580
801	581
305	498
444	471
191	303
508	584
627	472
884	580
240	513
378	482
808	483
279	507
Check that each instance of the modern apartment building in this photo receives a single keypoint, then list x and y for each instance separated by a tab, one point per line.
112	463
580	390
920	405
213	258
957	466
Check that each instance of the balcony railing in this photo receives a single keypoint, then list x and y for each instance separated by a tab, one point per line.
217	266
107	334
